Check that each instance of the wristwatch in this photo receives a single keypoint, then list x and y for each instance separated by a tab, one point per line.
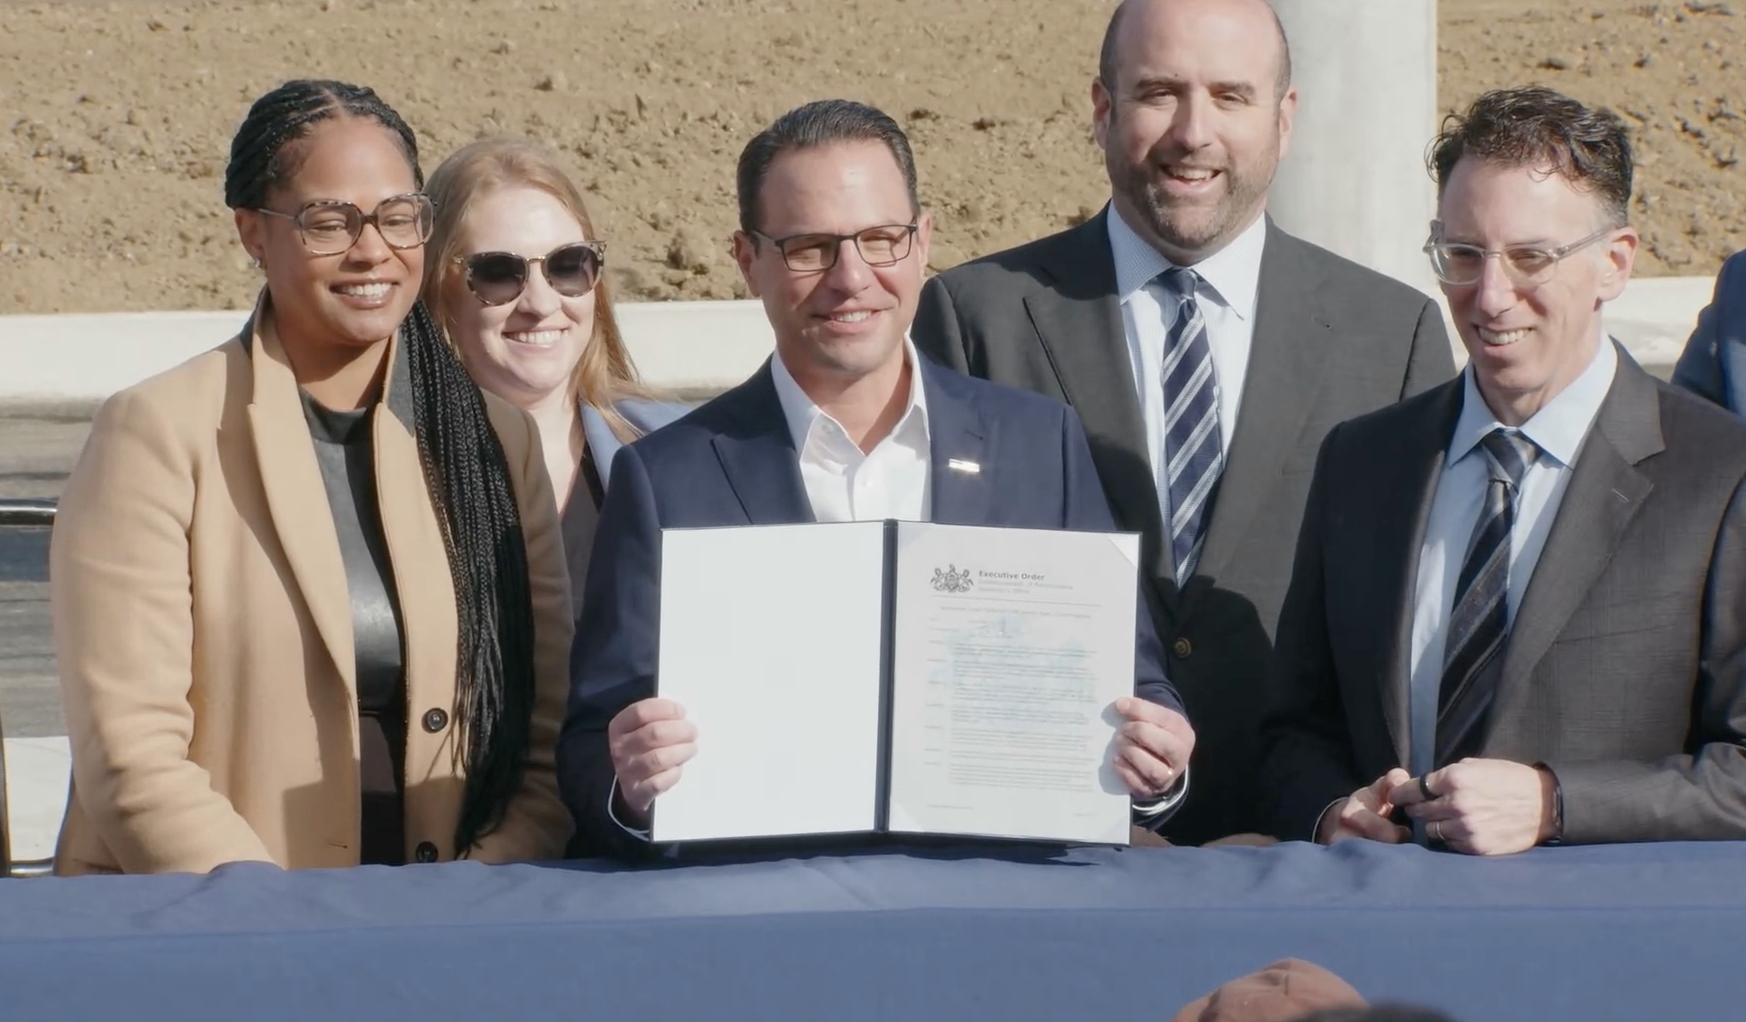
1557	835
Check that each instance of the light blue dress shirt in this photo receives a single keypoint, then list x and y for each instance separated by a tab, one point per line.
1228	292
1559	428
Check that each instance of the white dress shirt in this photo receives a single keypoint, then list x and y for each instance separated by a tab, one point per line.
845	484
1230	281
1559	428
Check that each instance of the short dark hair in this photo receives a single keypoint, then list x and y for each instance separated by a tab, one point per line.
819	123
1535	126
1106	55
1377	1013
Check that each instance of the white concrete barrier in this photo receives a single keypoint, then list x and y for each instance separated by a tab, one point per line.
1354	180
88	356
681	345
37	770
1655	316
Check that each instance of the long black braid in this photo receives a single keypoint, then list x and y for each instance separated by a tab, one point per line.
464	467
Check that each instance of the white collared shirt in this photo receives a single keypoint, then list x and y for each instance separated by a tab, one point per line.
1559	429
845	484
1230	281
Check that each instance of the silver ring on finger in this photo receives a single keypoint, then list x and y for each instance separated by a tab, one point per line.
1436	831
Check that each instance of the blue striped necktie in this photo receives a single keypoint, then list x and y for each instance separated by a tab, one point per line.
1193	449
1479	622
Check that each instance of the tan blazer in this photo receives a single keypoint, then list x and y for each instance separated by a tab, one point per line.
204	631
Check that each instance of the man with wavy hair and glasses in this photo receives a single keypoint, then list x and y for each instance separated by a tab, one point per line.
1518	609
844	423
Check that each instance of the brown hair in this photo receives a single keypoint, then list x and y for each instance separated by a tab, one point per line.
605	371
1533	126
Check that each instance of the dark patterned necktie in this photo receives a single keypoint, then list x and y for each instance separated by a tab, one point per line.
1193	450
1479	623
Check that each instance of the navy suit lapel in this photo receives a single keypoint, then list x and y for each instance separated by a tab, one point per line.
757	455
961	449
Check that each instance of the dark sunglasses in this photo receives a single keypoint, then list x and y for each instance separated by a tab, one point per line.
498	278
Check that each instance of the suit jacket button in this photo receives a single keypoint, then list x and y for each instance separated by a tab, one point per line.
425	852
435	720
1182	647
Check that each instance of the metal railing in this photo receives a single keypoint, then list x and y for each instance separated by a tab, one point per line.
17	513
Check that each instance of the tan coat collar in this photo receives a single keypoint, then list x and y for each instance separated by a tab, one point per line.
296	495
297	500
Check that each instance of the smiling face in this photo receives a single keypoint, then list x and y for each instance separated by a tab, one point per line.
1193	127
849	321
524	351
358	297
1528	342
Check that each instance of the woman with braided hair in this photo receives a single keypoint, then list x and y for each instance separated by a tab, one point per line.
309	596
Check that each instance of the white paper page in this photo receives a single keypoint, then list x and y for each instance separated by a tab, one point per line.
1011	647
770	639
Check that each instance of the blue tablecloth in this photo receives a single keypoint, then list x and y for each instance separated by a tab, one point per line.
1590	934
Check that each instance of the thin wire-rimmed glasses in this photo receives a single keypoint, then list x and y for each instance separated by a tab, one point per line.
885	245
1459	265
498	278
329	226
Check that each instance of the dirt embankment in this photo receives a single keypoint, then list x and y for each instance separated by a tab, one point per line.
117	116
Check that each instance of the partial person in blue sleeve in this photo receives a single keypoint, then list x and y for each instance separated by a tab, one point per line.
516	277
845	423
1714	362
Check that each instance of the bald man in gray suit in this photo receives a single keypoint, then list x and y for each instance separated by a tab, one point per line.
1207	352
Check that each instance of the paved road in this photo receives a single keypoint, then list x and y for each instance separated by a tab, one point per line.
37	449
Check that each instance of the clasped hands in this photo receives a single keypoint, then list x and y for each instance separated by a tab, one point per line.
1476	806
651	741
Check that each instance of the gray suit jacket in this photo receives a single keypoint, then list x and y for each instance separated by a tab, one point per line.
1332	341
1714	361
1625	669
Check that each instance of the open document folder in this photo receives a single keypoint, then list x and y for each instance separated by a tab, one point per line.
897	677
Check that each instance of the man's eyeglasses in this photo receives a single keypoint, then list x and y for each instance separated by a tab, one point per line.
886	245
1459	265
498	278
329	227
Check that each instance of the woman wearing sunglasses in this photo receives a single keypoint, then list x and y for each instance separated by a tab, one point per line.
514	274
309	595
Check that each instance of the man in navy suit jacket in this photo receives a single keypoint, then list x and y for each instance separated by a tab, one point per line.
1714	362
846	422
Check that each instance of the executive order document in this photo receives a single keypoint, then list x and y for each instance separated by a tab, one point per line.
897	677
